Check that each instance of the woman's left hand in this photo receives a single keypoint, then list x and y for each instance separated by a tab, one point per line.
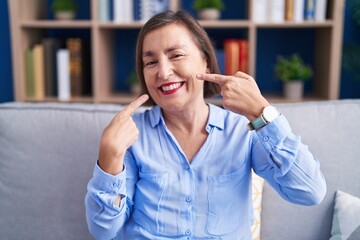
240	93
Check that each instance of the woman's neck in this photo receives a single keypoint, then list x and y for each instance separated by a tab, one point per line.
190	121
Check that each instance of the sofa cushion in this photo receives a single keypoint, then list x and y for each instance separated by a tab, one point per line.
47	155
256	188
346	216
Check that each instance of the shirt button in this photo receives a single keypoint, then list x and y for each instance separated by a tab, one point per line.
266	138
188	232
188	199
187	167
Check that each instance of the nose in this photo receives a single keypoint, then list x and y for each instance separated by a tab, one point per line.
165	69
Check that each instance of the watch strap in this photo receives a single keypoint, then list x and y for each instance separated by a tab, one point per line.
257	123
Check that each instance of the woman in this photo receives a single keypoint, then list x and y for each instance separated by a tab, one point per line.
182	169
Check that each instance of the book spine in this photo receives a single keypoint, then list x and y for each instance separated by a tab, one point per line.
320	10
128	10
50	47
310	10
118	11
289	10
277	10
259	10
232	56
39	73
29	70
244	56
74	45
104	10
299	10
63	62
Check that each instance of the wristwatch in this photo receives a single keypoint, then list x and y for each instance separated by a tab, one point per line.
268	115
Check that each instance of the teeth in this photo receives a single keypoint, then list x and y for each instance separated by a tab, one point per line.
171	87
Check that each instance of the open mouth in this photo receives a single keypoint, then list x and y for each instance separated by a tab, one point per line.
169	88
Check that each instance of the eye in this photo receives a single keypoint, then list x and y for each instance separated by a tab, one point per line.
149	63
176	55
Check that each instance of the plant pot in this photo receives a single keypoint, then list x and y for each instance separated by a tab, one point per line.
66	15
293	90
209	14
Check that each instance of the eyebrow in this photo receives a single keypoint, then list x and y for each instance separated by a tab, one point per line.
168	50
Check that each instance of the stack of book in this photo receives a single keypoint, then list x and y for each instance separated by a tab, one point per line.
124	11
56	71
288	10
236	56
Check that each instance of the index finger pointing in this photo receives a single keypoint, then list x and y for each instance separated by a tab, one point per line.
212	77
134	105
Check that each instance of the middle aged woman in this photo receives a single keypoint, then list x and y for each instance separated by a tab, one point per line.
182	169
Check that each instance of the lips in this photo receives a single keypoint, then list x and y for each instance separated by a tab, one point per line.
170	88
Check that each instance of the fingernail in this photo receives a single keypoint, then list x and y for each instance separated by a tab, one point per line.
198	75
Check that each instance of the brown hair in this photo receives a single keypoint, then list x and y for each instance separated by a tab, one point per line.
200	38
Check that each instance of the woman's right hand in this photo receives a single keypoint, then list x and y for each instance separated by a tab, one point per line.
118	136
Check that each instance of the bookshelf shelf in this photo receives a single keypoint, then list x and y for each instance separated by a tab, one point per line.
132	25
110	45
311	24
225	24
55	24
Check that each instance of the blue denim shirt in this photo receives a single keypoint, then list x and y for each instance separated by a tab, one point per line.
165	197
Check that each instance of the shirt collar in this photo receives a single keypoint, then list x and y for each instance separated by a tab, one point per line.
216	117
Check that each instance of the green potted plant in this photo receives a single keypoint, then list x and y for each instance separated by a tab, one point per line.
133	83
64	9
293	72
208	9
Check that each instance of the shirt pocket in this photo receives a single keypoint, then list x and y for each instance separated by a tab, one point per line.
225	199
149	196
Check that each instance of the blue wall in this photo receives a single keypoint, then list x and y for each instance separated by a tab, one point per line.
350	88
6	86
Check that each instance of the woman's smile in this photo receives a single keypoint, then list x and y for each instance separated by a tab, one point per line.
171	87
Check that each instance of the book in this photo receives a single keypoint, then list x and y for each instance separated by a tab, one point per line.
39	73
276	10
104	10
63	74
320	10
29	72
75	47
123	11
150	8
244	55
51	45
299	10
309	11
236	56
259	10
232	56
289	10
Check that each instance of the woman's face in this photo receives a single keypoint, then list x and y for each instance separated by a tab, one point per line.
171	61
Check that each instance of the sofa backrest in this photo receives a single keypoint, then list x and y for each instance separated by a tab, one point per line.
47	155
331	129
48	151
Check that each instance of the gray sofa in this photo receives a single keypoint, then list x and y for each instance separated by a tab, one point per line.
48	151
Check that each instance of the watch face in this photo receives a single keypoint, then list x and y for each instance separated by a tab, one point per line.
270	113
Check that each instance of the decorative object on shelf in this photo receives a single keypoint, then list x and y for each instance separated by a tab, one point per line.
208	9
64	9
293	72
351	52
355	11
